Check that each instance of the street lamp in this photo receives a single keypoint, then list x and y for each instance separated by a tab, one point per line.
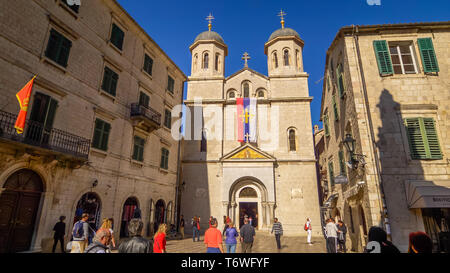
349	143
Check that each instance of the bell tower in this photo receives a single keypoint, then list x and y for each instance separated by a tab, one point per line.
284	51
208	54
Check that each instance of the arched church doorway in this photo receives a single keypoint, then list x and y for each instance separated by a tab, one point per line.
19	205
160	211
248	206
130	210
89	203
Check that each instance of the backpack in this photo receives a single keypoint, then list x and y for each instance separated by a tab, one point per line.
306	226
78	230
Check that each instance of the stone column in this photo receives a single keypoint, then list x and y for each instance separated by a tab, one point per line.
225	206
264	215
233	213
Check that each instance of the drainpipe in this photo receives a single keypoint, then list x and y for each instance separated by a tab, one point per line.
177	187
383	211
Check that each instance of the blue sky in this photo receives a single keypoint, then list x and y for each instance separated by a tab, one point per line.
247	24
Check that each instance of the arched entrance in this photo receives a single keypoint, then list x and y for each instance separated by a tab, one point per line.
249	197
130	210
89	203
160	212
19	204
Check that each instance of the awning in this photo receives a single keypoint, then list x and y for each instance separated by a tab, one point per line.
428	194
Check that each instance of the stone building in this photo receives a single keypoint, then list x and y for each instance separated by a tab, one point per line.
387	88
98	137
270	177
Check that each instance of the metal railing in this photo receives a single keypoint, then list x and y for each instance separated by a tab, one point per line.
36	134
147	112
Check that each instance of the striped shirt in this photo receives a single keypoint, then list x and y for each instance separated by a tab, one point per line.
277	228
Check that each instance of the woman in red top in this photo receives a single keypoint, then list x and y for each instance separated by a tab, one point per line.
159	245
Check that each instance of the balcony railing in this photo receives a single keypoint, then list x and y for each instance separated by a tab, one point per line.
36	134
147	113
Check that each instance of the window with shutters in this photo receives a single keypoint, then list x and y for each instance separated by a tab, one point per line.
402	56
423	139
168	119
326	125
340	80
429	60
58	48
342	163
383	57
101	135
335	109
331	172
42	116
144	99
138	149
110	79
170	84
117	36
164	159
292	142
148	64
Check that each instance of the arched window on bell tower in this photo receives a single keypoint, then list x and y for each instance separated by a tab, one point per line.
275	59
206	61
286	57
216	62
292	141
195	63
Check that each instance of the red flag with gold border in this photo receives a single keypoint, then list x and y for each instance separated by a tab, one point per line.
24	99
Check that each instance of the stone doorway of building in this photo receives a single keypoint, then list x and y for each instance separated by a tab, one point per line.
160	214
19	205
89	203
130	210
251	210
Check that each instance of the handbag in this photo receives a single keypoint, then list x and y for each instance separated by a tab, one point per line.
69	246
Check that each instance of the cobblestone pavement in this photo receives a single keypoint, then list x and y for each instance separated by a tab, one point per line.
264	243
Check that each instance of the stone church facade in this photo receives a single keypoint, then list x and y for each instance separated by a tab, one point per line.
273	177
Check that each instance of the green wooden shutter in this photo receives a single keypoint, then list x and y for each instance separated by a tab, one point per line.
427	52
325	122
148	64
331	172
415	138
117	36
432	138
64	51
51	114
144	100
383	57
97	134
340	80
52	46
342	162
106	79
138	151
105	136
335	108
114	80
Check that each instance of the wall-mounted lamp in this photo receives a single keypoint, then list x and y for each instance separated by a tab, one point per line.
355	159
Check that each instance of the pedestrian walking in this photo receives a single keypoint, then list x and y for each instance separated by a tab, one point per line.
225	224
107	224
420	242
331	233
182	227
230	241
100	242
159	244
342	236
247	236
58	236
377	234
196	228
250	221
213	238
80	234
308	229
136	243
278	228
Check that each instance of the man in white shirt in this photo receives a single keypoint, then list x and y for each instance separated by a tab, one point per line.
331	231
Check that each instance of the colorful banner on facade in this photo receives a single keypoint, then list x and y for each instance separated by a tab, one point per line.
24	99
246	119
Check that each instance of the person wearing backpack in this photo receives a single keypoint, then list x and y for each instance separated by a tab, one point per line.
308	230
80	234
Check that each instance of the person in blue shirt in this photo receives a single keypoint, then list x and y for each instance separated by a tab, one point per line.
230	241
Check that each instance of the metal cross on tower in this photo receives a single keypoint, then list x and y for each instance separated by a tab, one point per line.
246	58
209	19
281	15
